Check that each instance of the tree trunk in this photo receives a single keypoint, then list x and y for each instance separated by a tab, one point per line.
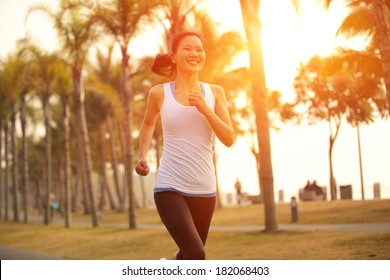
114	162
81	175
102	173
143	192
255	154
250	15
122	140
127	98
219	204
360	161
48	161
25	172
37	202
382	20
15	182
75	190
78	94
67	162
6	175
59	186
332	139
1	170
332	180
105	188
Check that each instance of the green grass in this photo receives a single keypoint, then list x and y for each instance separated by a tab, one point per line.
107	242
318	212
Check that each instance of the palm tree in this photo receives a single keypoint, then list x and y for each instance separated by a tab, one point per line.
4	124
1	149
178	14
371	17
76	33
24	84
15	171
13	88
335	89
63	87
43	72
123	20
6	100
105	78
250	15
6	171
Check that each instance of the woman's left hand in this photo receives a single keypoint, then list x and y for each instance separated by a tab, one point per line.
196	99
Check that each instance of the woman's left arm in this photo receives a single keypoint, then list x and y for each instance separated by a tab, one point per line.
220	119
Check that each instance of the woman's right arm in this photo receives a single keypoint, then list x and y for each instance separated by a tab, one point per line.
153	107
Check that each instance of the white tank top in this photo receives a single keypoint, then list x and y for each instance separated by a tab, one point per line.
187	159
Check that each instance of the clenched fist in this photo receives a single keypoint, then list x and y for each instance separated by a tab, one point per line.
142	167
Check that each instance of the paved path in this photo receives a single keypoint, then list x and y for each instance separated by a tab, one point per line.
368	227
374	227
8	253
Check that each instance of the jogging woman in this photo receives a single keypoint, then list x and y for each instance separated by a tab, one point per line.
192	112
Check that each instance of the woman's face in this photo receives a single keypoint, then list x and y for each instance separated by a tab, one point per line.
190	56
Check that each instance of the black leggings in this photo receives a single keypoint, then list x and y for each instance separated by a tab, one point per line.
187	219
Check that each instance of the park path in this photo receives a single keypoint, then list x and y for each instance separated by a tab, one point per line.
367	227
9	253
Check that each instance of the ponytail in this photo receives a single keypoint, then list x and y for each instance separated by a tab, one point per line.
163	65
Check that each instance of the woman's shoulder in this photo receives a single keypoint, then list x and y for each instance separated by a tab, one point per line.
217	90
156	95
157	91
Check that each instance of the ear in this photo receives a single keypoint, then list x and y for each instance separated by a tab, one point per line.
173	58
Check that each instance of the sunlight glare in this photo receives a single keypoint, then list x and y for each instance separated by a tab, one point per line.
288	38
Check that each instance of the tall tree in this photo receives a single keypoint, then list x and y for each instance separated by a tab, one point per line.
71	20
63	88
44	75
14	87
250	10
333	89
179	14
371	17
15	170
6	102
24	84
104	79
123	20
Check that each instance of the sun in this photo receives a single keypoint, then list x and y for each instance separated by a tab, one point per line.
291	38
288	38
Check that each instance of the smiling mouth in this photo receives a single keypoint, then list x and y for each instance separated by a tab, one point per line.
193	62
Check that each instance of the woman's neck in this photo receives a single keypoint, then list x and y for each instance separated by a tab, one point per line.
187	83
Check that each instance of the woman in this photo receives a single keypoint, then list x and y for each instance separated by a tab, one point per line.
191	113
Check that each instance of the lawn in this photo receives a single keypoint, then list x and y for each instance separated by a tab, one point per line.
109	242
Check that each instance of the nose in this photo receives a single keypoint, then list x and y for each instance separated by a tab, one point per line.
193	54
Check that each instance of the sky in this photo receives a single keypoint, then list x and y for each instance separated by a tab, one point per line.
299	153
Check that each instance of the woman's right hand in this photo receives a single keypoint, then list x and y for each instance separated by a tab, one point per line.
142	167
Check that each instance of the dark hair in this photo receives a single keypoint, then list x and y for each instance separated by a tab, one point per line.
163	64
